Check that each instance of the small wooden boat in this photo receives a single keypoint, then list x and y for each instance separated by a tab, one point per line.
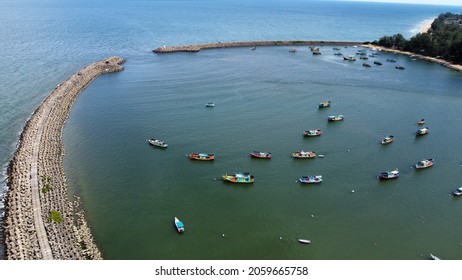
241	177
423	131
314	132
377	62
366	65
324	104
335	118
421	122
293	50
349	58
391	60
303	154
424	163
387	140
201	156
256	154
400	67
312	179
458	192
304	241
179	225
157	143
210	104
316	52
389	174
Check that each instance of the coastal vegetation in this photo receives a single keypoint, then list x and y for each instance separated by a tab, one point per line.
442	40
46	181
55	216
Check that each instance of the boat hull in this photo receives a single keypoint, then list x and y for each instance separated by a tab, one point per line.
261	155
203	157
238	178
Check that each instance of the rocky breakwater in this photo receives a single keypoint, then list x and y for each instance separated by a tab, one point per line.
198	47
41	220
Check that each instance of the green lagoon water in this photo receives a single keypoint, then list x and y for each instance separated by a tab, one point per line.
264	100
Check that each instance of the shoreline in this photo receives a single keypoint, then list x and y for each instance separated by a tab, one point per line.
37	183
426	26
250	44
442	62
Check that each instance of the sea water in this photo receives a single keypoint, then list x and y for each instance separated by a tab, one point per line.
265	99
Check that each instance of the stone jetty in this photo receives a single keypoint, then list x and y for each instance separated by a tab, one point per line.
250	44
41	220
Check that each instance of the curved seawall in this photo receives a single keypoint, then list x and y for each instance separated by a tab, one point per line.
41	222
198	47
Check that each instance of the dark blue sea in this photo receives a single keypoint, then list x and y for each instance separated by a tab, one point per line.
264	100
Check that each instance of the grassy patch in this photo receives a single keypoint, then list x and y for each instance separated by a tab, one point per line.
55	216
46	181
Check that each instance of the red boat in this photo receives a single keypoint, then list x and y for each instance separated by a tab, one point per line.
260	155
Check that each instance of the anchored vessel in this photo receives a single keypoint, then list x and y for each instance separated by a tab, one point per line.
241	177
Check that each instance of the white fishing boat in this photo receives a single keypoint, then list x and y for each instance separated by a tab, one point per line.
210	104
179	225
304	241
389	174
424	163
157	143
312	179
312	132
458	192
387	140
423	131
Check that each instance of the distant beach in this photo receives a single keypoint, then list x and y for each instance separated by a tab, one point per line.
426	26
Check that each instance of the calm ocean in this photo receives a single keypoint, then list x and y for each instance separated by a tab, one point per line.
265	99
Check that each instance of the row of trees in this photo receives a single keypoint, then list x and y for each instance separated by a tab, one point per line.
442	40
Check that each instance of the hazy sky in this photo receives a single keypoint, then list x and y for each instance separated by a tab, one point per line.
435	2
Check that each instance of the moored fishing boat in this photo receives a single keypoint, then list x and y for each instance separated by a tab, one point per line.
377	62
424	163
335	118
303	154
313	132
157	143
304	241
349	58
400	67
201	156
389	174
256	154
324	104
423	131
458	192
179	225
387	140
241	177
312	179
421	122
210	104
